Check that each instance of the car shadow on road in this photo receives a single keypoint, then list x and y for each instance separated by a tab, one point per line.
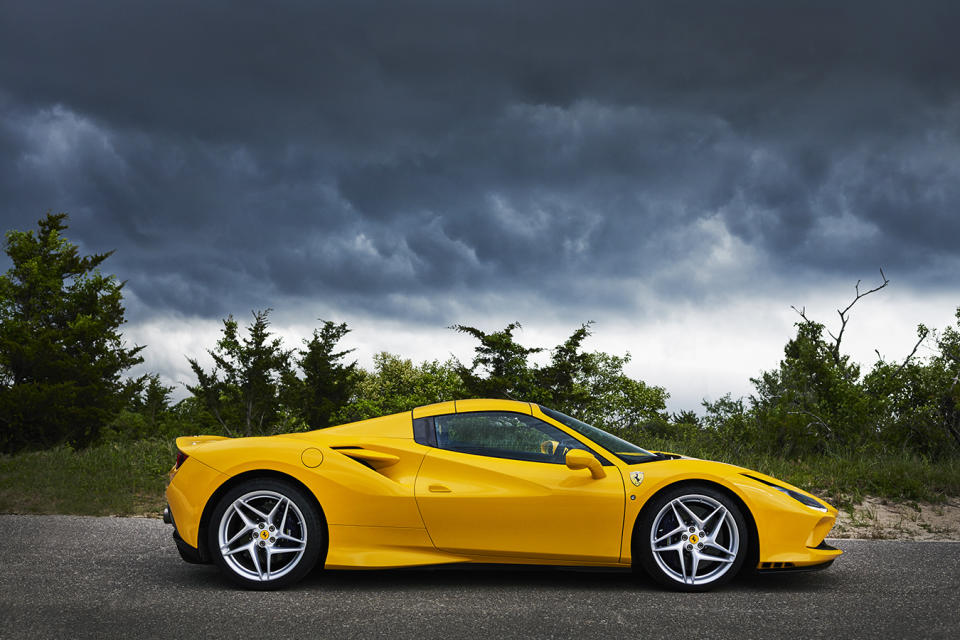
480	576
520	577
787	581
553	578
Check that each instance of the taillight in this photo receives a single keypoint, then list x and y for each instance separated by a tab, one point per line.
181	458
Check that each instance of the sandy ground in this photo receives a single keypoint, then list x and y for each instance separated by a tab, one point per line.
881	519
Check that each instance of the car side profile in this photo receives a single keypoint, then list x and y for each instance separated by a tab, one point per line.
482	481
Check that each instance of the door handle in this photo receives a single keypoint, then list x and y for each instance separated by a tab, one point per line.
439	488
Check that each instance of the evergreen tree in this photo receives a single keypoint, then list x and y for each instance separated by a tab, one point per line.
499	368
588	385
564	380
146	413
150	398
327	383
61	350
243	390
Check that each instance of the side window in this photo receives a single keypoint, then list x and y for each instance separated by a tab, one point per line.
503	435
424	432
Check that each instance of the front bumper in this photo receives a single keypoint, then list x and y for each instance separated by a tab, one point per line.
789	567
790	534
828	552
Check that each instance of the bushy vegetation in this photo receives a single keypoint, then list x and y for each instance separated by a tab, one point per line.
816	404
817	418
396	384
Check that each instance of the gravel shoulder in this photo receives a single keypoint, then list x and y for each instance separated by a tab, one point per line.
880	519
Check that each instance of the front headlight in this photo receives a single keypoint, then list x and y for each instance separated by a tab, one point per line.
796	495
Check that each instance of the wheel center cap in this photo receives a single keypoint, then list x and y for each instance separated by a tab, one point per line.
694	539
264	535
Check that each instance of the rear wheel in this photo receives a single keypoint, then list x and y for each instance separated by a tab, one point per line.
265	533
691	538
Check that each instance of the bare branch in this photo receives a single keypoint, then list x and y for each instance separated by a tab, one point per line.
956	378
951	356
816	419
216	414
845	315
906	361
802	312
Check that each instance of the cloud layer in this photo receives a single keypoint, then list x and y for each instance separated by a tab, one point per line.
451	162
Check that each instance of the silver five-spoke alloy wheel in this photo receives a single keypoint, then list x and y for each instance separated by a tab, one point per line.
694	539
262	535
691	538
266	534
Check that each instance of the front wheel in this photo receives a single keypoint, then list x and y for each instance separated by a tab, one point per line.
691	538
265	534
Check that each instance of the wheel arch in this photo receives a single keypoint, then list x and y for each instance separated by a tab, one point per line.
253	475
753	537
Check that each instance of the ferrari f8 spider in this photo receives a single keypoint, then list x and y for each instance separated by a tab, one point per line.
482	481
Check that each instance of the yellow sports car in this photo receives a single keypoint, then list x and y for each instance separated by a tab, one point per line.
482	481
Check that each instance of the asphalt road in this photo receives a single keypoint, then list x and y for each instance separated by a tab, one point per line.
67	577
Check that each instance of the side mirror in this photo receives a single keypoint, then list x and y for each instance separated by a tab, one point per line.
580	459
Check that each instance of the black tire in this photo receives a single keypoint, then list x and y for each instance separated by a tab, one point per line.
705	553
264	554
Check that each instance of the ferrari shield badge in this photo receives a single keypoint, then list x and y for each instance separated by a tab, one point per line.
636	477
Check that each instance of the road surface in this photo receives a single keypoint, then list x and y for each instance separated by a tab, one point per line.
69	577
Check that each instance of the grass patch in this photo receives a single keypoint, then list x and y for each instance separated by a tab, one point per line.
109	479
849	479
128	478
841	479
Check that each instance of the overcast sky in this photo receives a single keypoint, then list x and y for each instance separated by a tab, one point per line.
679	172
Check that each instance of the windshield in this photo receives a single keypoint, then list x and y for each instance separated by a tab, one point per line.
626	451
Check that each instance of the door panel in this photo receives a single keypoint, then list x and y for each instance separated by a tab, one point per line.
494	506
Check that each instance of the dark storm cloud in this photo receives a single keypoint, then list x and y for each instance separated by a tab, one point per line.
237	155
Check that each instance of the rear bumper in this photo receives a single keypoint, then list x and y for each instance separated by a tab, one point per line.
188	553
188	492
